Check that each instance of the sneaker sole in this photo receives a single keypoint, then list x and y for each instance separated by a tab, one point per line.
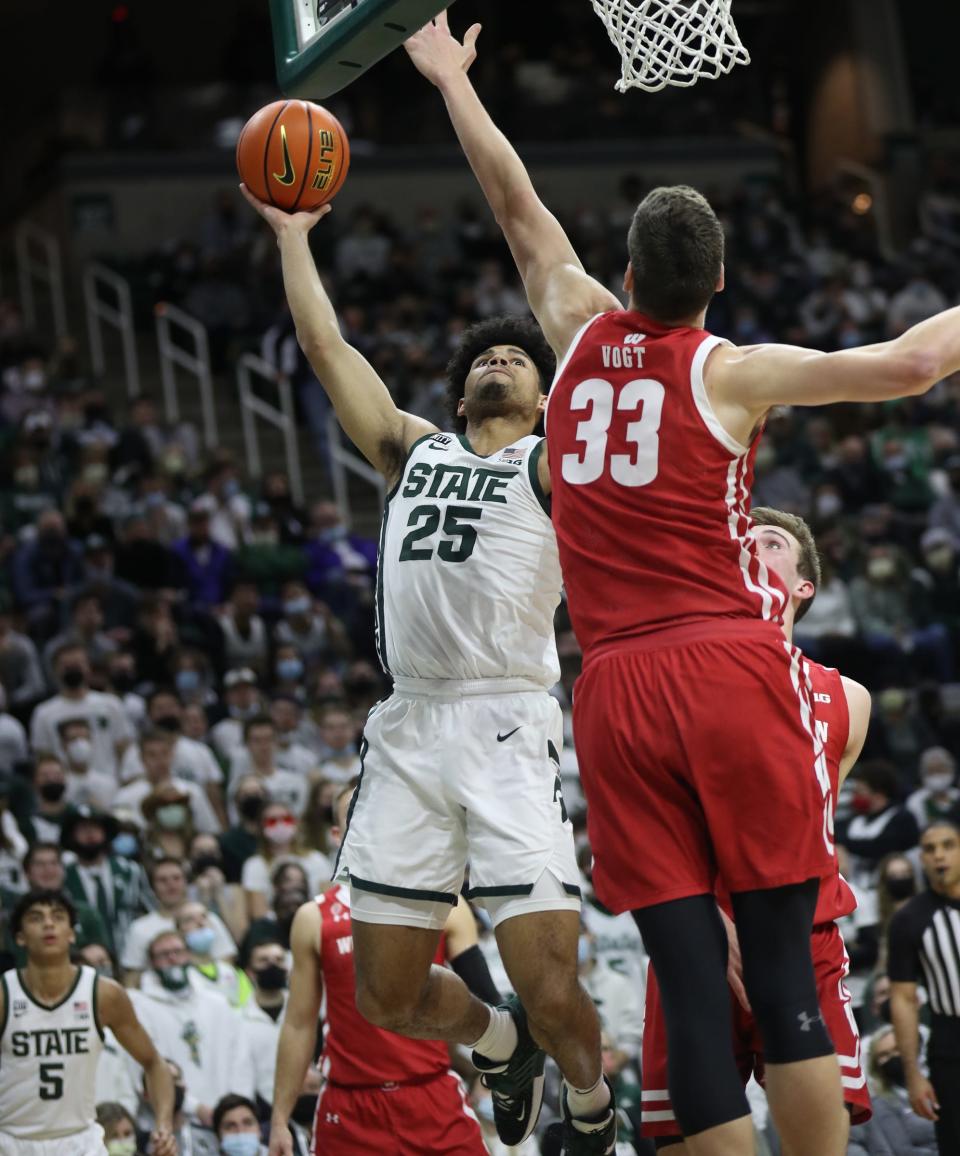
536	1105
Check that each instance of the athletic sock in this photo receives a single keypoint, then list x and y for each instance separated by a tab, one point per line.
499	1041
588	1104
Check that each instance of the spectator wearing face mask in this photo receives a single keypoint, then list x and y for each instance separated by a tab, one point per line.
268	970
245	639
237	1127
169	828
195	925
260	762
86	630
294	727
240	840
938	796
894	1128
86	785
310	627
896	884
194	1026
338	734
937	592
168	879
191	761
119	1127
156	751
49	806
192	1121
289	673
243	703
110	729
280	843
880	823
208	885
114	886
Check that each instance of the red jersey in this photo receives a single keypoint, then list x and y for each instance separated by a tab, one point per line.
355	1053
651	496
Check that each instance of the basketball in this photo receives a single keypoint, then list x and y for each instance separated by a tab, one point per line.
294	155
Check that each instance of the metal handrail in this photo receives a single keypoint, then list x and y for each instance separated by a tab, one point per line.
197	363
121	318
344	461
283	418
49	271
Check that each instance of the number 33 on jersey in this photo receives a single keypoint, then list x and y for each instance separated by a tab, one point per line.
649	489
469	578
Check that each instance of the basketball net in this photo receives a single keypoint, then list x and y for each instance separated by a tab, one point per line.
672	42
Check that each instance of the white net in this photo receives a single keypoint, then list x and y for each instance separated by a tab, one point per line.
672	42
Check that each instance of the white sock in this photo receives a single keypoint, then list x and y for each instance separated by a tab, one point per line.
500	1040
588	1103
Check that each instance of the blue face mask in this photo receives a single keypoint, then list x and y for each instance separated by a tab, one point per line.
297	605
200	940
240	1144
126	845
187	680
289	669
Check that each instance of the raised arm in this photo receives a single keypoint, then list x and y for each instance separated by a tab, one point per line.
744	384
561	295
299	1032
116	1012
362	402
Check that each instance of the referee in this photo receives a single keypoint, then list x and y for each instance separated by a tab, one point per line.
924	948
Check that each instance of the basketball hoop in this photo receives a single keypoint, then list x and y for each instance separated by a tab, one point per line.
671	42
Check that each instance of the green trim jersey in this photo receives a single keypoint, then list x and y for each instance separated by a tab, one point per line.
469	577
48	1059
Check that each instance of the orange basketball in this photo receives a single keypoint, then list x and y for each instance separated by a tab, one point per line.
293	154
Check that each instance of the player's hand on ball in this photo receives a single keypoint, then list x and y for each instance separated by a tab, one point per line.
281	1141
923	1099
437	53
163	1143
280	221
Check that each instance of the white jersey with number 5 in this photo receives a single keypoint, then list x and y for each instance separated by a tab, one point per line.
468	577
48	1059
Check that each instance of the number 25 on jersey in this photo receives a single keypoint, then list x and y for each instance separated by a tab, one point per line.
637	468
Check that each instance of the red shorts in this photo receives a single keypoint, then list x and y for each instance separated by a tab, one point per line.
697	756
397	1120
831	966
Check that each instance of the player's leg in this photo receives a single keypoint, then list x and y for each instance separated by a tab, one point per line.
802	1084
688	951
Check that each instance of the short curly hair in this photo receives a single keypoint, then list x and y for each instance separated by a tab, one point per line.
522	332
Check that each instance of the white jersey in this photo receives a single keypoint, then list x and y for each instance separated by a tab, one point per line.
48	1059
468	577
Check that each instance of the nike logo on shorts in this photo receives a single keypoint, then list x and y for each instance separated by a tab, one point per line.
503	738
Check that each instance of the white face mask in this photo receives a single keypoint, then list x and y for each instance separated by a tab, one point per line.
80	751
941	781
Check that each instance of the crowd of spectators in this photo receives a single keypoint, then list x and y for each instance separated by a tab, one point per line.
187	658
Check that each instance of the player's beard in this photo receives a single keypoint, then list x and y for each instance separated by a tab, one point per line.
493	398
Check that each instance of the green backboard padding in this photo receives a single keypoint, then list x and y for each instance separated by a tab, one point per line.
352	43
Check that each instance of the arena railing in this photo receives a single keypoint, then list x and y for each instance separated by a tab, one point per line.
120	316
174	324
344	462
38	260
282	417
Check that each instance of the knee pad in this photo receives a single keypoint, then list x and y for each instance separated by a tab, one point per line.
774	929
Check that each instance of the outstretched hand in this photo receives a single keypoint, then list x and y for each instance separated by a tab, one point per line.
281	221
438	55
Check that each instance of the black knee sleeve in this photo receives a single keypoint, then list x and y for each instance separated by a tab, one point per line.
688	952
774	931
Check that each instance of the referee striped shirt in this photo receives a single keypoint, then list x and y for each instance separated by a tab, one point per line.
924	948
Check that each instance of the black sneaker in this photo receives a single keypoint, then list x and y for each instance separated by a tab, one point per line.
516	1087
600	1136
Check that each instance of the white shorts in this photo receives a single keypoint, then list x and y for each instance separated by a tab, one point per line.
87	1142
457	773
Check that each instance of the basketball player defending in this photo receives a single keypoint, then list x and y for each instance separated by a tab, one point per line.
461	761
787	547
52	1019
695	738
382	1092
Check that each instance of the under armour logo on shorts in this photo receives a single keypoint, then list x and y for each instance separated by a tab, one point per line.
806	1021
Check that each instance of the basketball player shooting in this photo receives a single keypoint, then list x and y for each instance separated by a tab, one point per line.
52	1019
462	760
695	736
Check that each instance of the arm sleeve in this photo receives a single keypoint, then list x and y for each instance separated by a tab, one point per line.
901	950
471	966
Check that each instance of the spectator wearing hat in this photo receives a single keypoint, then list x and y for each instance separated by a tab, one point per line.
945	512
84	783
245	640
243	702
110	728
193	762
21	677
42	568
207	564
156	748
114	886
169	826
